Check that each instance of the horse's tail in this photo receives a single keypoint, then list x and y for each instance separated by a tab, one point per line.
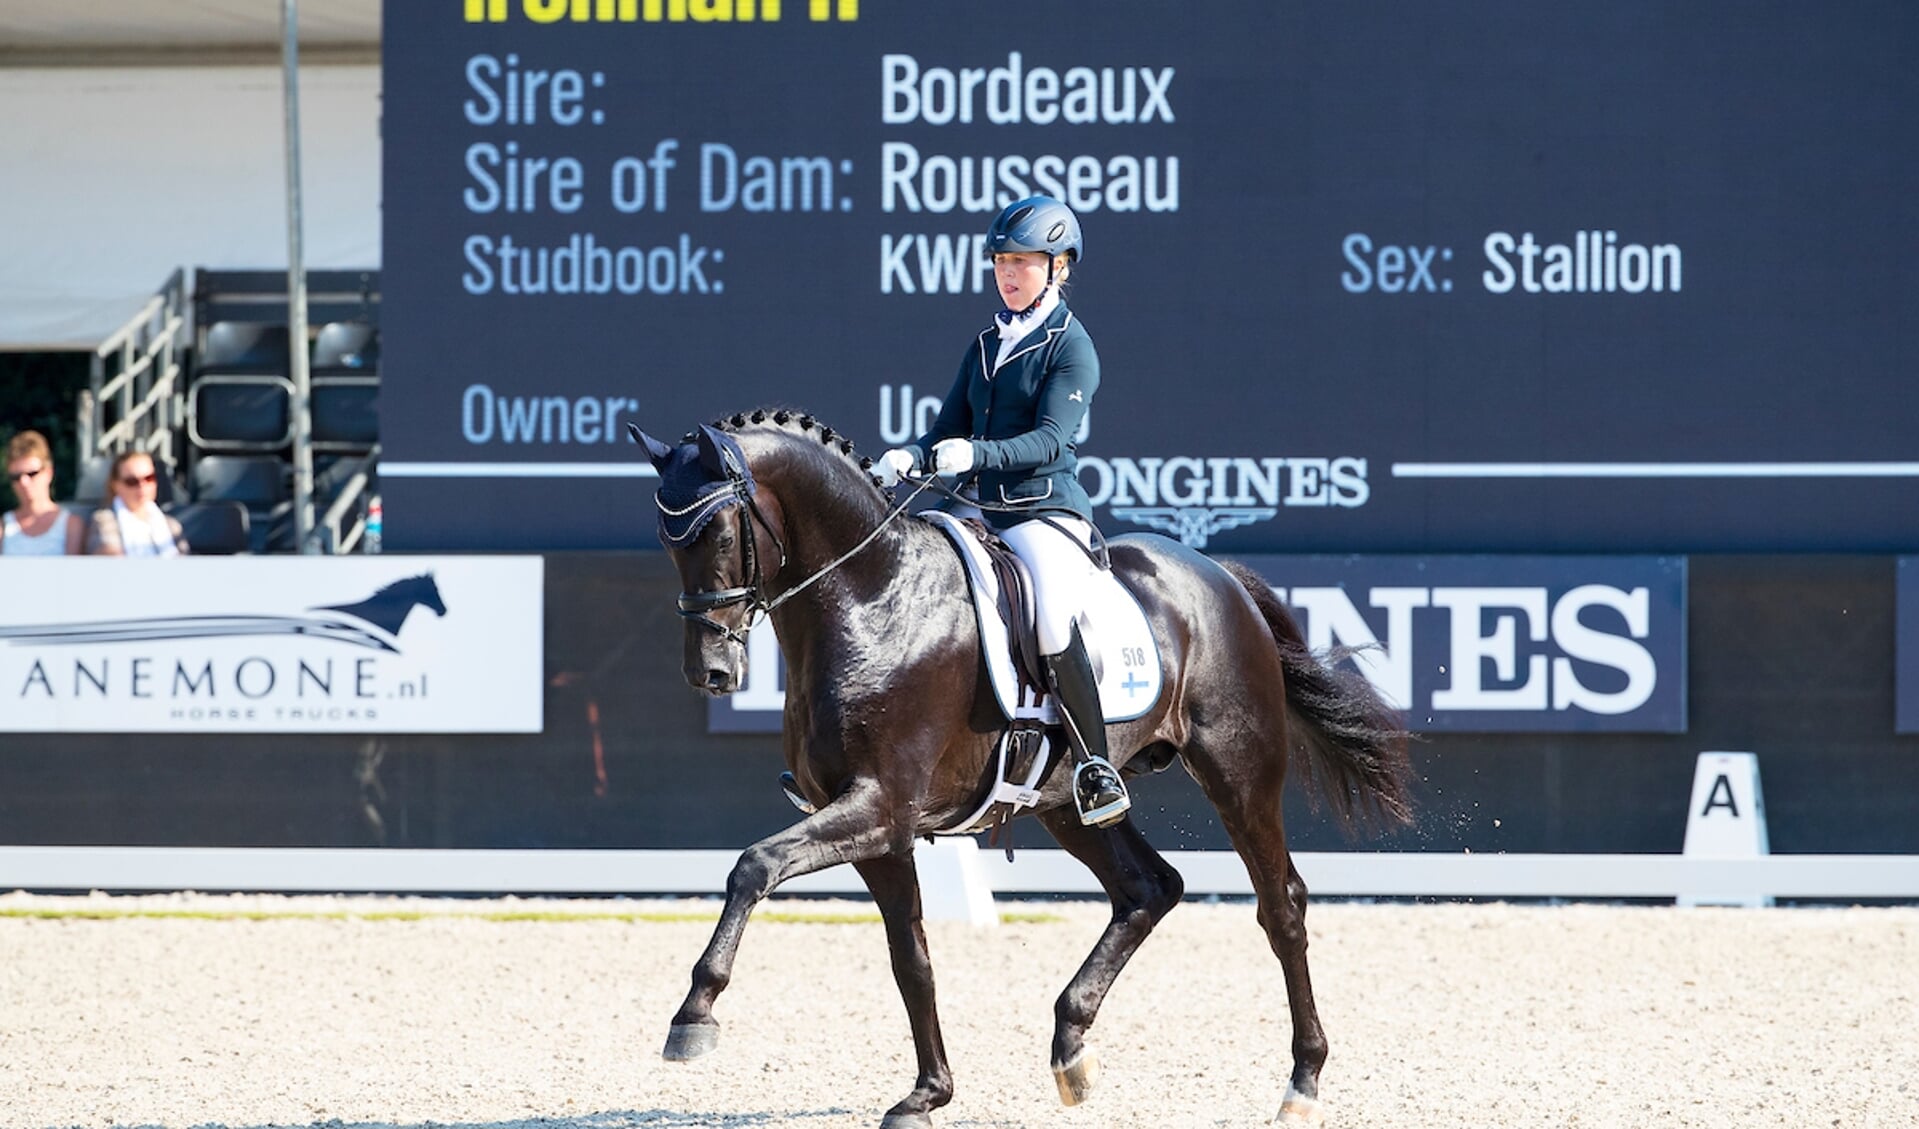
1355	744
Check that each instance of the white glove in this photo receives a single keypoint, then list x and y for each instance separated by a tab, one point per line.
892	464
953	456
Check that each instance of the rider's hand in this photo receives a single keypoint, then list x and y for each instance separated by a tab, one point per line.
953	456
892	464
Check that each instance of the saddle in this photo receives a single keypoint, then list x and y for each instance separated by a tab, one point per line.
1118	639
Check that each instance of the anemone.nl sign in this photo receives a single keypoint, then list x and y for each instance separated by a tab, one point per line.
279	645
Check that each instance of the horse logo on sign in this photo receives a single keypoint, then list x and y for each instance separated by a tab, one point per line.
386	611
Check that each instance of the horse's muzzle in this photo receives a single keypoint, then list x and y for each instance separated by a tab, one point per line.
718	683
711	664
716	670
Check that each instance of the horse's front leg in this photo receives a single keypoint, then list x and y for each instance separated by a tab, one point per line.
896	888
852	828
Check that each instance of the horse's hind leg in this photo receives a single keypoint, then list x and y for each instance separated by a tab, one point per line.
895	887
850	829
1247	794
1143	887
1300	1106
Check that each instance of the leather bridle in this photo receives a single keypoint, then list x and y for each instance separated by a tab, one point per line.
696	605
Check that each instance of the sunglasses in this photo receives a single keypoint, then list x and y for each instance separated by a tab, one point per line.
22	474
136	479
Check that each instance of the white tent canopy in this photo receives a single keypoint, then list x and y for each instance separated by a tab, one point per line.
136	138
118	32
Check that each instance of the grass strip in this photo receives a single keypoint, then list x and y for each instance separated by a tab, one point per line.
786	917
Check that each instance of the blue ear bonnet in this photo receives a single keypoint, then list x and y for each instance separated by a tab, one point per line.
698	481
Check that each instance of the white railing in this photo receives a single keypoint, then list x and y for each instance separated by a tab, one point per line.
342	528
1332	873
136	381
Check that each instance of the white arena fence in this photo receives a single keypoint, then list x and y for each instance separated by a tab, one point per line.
1034	872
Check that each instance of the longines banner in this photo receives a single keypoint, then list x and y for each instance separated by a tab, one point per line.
1469	644
1499	277
273	645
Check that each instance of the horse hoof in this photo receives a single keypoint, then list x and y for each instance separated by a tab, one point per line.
1298	1111
906	1121
1077	1077
690	1040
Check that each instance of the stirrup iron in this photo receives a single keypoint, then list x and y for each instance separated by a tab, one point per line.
1107	807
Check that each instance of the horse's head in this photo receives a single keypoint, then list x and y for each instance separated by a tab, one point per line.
427	593
714	528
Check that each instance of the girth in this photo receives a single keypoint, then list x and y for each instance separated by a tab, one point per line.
1022	759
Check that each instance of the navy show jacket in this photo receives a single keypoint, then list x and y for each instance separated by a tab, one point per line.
1022	416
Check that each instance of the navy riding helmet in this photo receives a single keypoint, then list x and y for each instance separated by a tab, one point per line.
1037	223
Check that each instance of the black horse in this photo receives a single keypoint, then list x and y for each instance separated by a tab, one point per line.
890	722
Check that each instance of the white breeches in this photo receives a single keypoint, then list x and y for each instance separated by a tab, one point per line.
1061	572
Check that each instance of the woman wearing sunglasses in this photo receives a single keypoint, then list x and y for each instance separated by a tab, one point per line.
38	526
131	525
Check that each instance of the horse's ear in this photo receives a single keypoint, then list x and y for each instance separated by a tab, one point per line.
717	451
655	450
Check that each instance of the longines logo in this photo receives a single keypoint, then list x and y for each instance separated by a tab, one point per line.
1194	525
1195	498
1191	498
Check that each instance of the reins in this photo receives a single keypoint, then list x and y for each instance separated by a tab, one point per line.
1095	552
695	606
850	553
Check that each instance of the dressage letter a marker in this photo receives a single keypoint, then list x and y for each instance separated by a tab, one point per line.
1725	824
1721	797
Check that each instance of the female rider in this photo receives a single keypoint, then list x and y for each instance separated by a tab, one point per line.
1023	389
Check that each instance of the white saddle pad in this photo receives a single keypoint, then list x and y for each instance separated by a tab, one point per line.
1125	657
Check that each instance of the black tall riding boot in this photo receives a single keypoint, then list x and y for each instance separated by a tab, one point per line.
1097	788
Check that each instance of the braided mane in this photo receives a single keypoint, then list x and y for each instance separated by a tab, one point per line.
802	425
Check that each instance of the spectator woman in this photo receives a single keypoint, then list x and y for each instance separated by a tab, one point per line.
38	526
131	525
